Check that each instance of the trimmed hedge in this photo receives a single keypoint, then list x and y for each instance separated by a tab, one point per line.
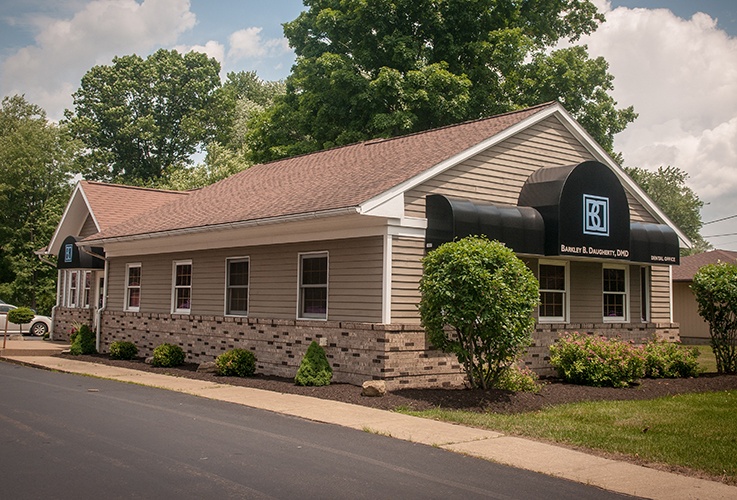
236	363
123	350
168	355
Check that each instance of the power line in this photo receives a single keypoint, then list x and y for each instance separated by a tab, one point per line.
719	220
719	235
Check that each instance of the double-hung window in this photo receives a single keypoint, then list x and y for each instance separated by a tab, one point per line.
133	287
313	286
615	293
87	288
553	279
182	287
73	289
236	300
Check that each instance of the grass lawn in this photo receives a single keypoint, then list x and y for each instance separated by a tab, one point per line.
696	431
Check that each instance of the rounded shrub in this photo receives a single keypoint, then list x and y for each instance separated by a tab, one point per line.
315	368
83	341
168	355
20	316
597	361
670	360
123	350
236	363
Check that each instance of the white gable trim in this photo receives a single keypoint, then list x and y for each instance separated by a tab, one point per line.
63	229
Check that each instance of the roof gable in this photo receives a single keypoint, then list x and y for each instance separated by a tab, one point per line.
691	264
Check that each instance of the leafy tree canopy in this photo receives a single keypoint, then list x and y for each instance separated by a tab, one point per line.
36	159
667	188
389	67
139	117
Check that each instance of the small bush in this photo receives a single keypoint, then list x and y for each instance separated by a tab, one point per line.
597	361
20	316
236	363
168	355
315	368
83	341
123	350
670	360
518	379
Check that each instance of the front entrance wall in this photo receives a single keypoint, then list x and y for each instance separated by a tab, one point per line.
397	354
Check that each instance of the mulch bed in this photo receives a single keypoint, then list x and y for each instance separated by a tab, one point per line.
553	392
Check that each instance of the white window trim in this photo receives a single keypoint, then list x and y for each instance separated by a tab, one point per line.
126	307
626	317
176	263
300	257
566	292
86	291
227	287
646	293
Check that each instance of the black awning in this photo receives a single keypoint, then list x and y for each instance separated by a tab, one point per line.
654	244
520	228
71	257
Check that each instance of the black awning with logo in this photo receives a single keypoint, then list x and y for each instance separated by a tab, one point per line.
71	257
520	228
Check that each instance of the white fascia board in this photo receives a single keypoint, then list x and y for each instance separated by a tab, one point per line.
441	167
392	207
602	156
72	219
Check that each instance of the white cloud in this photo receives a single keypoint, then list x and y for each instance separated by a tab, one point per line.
66	48
247	44
681	77
212	49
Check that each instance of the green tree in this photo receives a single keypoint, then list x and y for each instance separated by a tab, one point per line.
715	289
139	117
667	188
477	302
390	67
36	160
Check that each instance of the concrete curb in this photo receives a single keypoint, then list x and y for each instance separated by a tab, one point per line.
517	452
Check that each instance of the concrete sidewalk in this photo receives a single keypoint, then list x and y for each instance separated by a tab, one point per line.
517	452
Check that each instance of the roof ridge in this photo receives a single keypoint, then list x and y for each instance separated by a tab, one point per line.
139	188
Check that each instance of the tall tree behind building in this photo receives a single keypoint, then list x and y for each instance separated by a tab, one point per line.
35	170
391	67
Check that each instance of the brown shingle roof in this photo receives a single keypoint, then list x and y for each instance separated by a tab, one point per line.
335	179
691	264
113	204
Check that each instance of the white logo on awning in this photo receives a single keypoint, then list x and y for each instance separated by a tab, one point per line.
595	215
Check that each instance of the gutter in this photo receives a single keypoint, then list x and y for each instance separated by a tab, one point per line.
228	225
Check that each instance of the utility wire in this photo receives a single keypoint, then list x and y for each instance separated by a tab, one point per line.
719	220
719	235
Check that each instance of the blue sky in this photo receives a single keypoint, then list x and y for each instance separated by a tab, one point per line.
675	61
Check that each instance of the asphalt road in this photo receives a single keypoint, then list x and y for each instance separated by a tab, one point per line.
68	436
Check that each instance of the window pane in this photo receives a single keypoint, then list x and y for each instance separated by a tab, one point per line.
614	280
238	273
134	276
134	297
552	277
184	275
315	271
183	298
614	305
238	300
551	304
314	301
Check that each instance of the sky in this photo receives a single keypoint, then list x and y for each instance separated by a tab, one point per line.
675	61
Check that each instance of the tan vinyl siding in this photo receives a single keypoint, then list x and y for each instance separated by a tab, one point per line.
497	174
638	213
686	313
355	279
88	228
660	298
586	292
406	274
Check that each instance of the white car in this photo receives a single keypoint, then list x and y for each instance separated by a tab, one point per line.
38	326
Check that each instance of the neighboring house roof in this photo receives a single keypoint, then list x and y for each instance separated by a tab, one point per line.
108	205
690	265
357	178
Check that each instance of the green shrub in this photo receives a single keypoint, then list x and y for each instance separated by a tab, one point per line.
83	341
123	350
315	368
518	379
20	316
236	363
168	355
477	303
670	360
597	361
